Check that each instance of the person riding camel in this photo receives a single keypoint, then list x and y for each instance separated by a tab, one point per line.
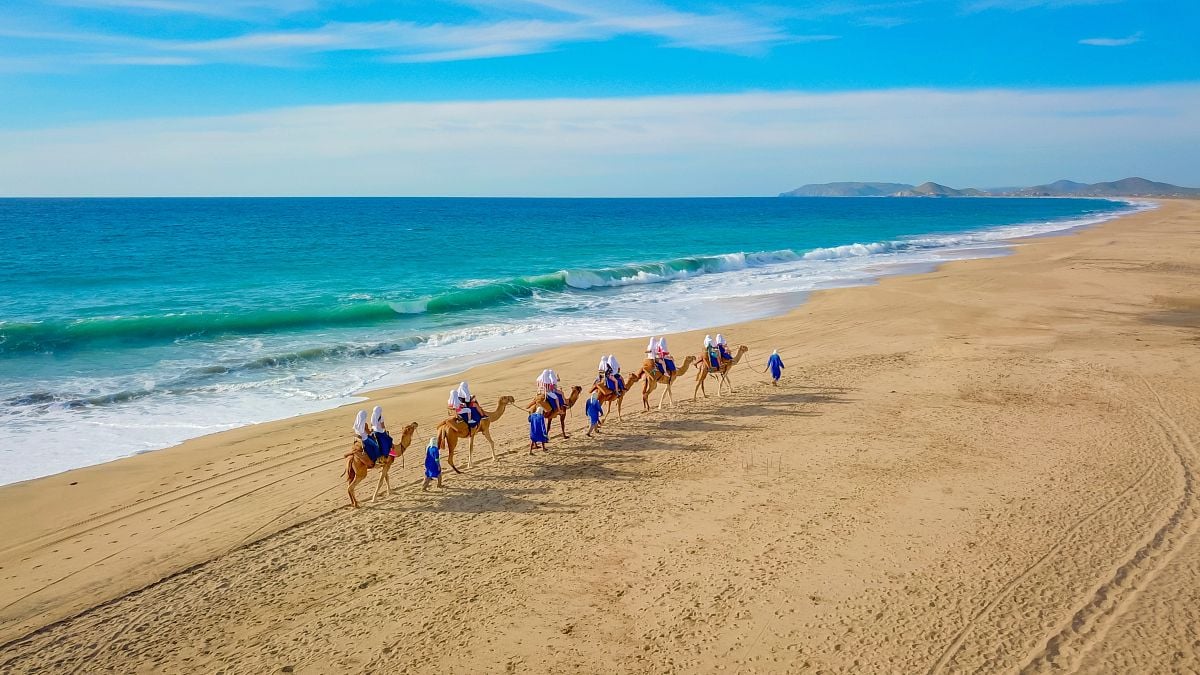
653	355
460	406
711	353
615	368
380	434
464	392
546	386
723	348
665	356
562	398
604	373
370	445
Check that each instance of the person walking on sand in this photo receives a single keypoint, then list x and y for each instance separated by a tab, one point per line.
433	464
775	365
594	410
539	434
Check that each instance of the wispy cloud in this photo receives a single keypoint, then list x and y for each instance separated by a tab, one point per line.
1113	42
751	143
1020	5
521	27
229	9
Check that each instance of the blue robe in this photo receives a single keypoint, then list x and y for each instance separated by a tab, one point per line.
713	361
384	439
594	410
371	447
538	433
433	462
670	365
725	353
776	365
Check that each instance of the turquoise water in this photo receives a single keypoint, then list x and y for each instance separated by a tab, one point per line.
132	324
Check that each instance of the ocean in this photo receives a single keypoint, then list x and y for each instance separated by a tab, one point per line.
128	325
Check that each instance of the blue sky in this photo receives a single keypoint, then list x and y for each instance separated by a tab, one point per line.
75	74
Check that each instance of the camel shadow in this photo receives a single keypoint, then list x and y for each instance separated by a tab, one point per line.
585	469
462	499
688	424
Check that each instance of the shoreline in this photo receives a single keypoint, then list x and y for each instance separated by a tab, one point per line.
871	275
900	479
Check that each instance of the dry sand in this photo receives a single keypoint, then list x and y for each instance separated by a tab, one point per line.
987	468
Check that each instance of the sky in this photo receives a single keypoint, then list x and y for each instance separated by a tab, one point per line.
581	98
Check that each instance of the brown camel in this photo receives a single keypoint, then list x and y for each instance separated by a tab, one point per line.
608	397
704	370
358	464
654	377
452	430
541	402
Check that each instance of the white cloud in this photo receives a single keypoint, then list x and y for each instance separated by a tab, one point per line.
1113	42
521	27
750	143
226	9
1019	5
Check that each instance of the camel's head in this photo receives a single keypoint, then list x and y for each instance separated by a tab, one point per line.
507	400
691	358
743	349
407	434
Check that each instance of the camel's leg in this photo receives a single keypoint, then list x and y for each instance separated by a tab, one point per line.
450	454
359	474
488	435
471	450
382	478
666	390
562	423
618	407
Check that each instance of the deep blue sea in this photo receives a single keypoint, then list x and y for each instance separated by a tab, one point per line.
132	324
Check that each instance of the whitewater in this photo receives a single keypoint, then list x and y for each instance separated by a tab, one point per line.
171	319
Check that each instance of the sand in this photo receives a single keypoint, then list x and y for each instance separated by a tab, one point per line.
991	467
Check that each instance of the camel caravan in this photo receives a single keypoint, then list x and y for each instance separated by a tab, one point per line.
374	447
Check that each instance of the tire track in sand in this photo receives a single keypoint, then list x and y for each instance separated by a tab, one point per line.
1087	626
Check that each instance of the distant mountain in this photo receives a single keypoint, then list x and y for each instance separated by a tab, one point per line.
1126	187
848	190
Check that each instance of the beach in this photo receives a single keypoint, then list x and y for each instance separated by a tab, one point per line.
988	467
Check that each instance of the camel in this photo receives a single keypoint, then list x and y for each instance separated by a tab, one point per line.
654	377
608	397
541	402
358	464
704	370
452	430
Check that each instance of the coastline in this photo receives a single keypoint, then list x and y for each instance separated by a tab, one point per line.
130	523
869	260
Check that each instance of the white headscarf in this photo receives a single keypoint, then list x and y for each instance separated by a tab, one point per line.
708	341
360	424
595	396
464	392
553	377
544	377
603	364
662	343
775	353
650	348
720	339
453	401
432	443
377	418
612	362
